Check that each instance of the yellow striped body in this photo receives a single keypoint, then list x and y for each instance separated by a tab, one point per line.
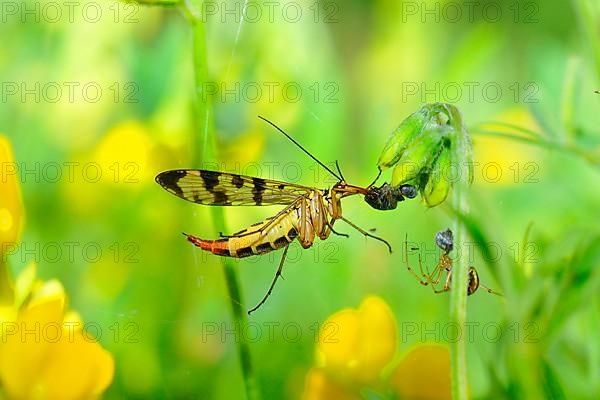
271	234
307	218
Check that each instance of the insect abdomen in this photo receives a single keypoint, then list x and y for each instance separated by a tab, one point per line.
258	239
218	247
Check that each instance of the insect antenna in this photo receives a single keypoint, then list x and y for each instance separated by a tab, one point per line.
375	180
301	148
337	165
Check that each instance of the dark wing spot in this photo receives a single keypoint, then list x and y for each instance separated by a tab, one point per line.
210	178
220	198
281	186
292	234
259	182
170	179
263	248
257	191
237	181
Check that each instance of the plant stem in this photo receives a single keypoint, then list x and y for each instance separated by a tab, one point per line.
208	144
239	315
458	294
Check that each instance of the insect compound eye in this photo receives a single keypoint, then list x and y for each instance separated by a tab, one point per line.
408	191
445	240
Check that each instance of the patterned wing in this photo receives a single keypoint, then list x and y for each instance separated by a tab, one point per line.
224	189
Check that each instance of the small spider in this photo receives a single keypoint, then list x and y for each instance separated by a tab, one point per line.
445	241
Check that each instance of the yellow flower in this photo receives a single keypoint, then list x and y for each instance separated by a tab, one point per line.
11	216
319	386
423	373
366	343
125	154
44	353
123	160
11	205
356	346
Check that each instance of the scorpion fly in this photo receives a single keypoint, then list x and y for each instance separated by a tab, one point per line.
309	212
445	241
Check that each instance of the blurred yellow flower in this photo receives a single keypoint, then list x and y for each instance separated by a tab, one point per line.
124	154
11	217
501	161
44	353
246	148
423	373
11	205
356	346
320	386
366	343
122	159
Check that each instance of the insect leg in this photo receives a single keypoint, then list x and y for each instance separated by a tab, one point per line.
491	291
277	275
408	263
474	283
330	225
437	272
367	233
306	231
446	284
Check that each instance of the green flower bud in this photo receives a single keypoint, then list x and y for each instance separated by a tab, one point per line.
425	147
419	155
438	184
430	116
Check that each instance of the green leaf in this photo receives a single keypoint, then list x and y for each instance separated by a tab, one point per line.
578	281
552	387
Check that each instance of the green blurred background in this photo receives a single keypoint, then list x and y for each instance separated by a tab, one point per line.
361	67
